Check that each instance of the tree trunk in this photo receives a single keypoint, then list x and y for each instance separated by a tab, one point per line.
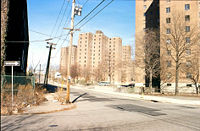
150	81
176	79
197	88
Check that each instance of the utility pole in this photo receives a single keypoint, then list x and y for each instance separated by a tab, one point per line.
48	63
76	10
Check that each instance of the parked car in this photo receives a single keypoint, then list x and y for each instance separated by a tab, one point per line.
104	83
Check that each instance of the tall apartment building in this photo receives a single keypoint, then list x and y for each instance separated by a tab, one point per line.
114	59
98	49
84	50
64	58
127	64
160	15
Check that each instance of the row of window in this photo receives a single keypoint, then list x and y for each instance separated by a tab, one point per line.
187	7
187	75
187	40
187	29
187	18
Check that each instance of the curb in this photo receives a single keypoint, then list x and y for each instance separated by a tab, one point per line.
149	98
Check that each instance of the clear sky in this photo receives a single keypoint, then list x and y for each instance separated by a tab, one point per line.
116	20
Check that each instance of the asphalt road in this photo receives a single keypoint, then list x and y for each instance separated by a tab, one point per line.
98	111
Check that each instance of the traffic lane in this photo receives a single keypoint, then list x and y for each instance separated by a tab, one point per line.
105	112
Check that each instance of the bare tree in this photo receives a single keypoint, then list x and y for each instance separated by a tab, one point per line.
151	48
192	70
86	74
178	38
75	71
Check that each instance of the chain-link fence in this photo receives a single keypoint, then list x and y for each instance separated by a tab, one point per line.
21	95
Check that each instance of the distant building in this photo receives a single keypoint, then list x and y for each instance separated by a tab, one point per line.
84	50
99	52
64	58
127	64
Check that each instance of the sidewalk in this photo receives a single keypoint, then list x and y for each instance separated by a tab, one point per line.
183	100
49	106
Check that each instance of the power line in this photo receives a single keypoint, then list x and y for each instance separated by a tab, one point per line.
96	14
85	3
62	44
38	32
57	17
90	12
67	21
62	18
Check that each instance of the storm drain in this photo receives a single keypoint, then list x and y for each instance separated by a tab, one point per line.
136	108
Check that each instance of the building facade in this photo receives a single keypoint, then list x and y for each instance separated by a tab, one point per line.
99	56
64	58
127	65
169	18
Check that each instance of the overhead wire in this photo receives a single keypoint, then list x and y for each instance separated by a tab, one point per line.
96	14
85	3
62	18
89	13
57	18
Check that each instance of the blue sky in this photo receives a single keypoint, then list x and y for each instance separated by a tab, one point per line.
116	20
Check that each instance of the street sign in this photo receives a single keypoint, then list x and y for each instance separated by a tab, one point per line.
11	63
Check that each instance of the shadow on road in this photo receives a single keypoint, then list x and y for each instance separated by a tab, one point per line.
78	97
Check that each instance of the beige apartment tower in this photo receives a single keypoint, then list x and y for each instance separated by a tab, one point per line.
84	50
127	65
64	58
163	15
114	59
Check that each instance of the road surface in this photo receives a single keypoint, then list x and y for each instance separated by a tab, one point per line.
98	111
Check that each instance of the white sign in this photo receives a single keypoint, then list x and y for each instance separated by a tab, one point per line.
11	63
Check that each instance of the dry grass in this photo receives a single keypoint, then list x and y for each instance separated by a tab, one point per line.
60	95
23	97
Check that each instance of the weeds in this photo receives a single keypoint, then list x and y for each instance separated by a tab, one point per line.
24	96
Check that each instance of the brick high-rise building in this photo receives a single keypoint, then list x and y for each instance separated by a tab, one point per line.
160	15
127	64
84	50
98	49
64	58
114	59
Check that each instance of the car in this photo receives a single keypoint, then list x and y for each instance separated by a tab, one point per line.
104	83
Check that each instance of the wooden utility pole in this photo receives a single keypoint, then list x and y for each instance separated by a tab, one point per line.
48	63
75	11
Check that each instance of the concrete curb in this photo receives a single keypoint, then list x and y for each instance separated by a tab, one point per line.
146	97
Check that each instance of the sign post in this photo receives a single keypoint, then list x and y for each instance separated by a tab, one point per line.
12	63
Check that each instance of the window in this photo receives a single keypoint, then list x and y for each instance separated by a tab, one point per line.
168	52
169	75
168	31
168	10
168	20
145	7
169	84
187	29
188	75
169	64
187	39
188	63
189	85
188	51
187	18
187	6
168	41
